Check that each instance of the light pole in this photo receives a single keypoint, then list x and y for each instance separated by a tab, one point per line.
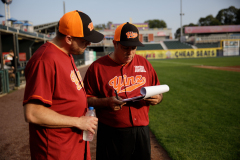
181	14
63	7
7	11
6	14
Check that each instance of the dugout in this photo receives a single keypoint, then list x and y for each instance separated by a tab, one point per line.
23	44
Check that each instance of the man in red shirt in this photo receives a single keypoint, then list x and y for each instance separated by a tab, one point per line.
55	101
123	132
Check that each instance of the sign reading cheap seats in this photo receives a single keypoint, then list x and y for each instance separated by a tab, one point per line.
178	53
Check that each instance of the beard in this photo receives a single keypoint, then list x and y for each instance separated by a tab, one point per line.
76	50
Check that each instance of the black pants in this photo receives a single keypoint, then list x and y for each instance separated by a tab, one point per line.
131	143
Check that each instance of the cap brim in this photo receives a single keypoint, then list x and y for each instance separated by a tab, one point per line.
128	43
94	37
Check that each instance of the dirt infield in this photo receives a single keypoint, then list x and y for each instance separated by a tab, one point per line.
229	68
14	130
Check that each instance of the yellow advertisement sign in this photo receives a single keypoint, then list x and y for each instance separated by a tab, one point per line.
178	53
153	54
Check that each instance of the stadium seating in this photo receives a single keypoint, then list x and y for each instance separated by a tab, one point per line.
207	45
177	45
151	47
235	36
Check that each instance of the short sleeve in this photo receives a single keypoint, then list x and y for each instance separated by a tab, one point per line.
40	82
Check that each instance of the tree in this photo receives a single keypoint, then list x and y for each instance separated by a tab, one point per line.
228	16
238	17
155	23
100	26
177	34
208	21
108	24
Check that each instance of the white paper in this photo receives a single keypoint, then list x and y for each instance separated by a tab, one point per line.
8	57
149	92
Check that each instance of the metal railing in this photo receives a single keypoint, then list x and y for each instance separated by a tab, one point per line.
4	81
34	34
9	81
211	39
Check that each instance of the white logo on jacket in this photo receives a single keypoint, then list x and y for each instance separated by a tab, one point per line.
139	69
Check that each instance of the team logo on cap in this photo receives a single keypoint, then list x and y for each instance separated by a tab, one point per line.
131	34
90	26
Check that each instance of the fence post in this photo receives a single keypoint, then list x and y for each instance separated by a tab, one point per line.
1	81
6	81
17	79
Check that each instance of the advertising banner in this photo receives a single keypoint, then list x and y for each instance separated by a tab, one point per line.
212	29
152	54
140	26
178	53
22	57
194	53
231	48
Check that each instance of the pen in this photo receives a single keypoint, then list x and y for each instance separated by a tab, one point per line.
117	97
116	93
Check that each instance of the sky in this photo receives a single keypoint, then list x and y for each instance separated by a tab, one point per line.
121	11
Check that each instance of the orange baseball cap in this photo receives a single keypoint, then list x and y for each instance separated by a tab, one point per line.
127	34
79	24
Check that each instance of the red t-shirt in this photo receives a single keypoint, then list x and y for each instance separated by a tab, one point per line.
50	78
105	75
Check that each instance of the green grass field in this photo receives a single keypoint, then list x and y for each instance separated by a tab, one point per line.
199	118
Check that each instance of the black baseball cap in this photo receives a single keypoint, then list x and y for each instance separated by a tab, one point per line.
79	24
127	34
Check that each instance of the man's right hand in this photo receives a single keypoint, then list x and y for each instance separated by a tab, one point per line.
115	104
87	123
109	102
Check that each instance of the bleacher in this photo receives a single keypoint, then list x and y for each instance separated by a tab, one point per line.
213	38
156	46
235	36
177	45
207	45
